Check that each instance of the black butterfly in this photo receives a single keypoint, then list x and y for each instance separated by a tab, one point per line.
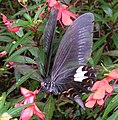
69	74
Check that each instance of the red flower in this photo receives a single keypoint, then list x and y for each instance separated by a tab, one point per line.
9	24
102	90
63	13
28	112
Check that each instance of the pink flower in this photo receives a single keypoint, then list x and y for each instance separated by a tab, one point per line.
9	24
28	112
90	102
29	95
113	74
52	3
63	15
3	53
102	90
11	63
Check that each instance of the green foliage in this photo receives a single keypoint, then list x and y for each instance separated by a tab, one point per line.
49	108
25	49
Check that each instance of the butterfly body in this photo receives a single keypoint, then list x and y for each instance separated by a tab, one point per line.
70	74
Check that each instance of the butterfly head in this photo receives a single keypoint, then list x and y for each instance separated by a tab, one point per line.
49	86
46	84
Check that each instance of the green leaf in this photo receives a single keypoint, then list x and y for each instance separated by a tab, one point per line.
2	100
91	114
100	18
99	42
38	13
111	53
20	41
28	17
18	52
15	112
114	116
34	51
21	23
5	108
49	108
25	69
91	61
111	106
23	59
107	60
5	39
107	10
98	55
115	39
20	32
115	16
19	82
116	88
21	12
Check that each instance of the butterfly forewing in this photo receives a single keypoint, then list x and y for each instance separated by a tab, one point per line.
49	37
74	49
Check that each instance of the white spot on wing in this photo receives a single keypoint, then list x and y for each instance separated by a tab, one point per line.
79	69
79	76
79	79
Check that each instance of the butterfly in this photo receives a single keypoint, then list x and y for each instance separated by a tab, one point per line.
69	74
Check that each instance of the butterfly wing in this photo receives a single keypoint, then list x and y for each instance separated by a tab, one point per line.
69	75
75	48
49	37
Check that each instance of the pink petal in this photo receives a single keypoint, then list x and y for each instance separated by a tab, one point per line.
113	74
96	85
14	29
25	92
29	99
36	91
38	113
18	105
66	19
100	93
90	97
71	14
10	63
52	3
59	15
4	18
100	102
27	113
90	104
3	53
108	88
